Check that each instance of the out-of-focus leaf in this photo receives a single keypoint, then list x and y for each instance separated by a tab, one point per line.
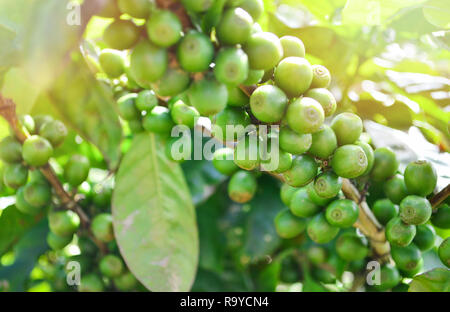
412	22
321	9
13	224
267	278
154	219
227	281
437	12
373	12
27	250
410	147
212	239
88	106
260	237
437	280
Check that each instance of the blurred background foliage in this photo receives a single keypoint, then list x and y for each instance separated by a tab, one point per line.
390	63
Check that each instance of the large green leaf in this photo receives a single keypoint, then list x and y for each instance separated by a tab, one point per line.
88	106
13	224
437	280
154	218
26	251
437	12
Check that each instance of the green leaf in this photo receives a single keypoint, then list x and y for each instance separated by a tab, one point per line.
373	12
260	235
88	106
154	218
437	12
437	280
13	224
27	250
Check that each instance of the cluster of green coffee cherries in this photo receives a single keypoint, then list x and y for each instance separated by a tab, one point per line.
405	213
34	194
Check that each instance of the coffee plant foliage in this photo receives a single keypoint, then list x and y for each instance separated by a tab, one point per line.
98	193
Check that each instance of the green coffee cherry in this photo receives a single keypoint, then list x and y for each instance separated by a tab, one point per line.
369	154
231	66
28	124
76	170
57	242
264	50
237	97
347	127
121	34
321	77
102	227
389	277
197	6
254	7
183	114
292	46
158	120
125	282
164	28
315	198
352	247
54	131
385	164
316	254
415	210
135	8
399	233
64	223
112	63
91	283
173	82
286	193
208	96
242	186
223	161
87	246
230	116
10	150
444	252
23	206
304	170
328	184
254	77
323	276
294	75
268	103
110	9
395	189
406	258
145	101
195	52
324	142
15	175
441	218
38	194
384	210
234	27
40	120
301	205
420	178
293	142
325	98
135	126
246	153
320	231
284	163
413	272
148	63
111	266
349	161
342	213
36	151
289	226
181	151
305	115
127	107
425	237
